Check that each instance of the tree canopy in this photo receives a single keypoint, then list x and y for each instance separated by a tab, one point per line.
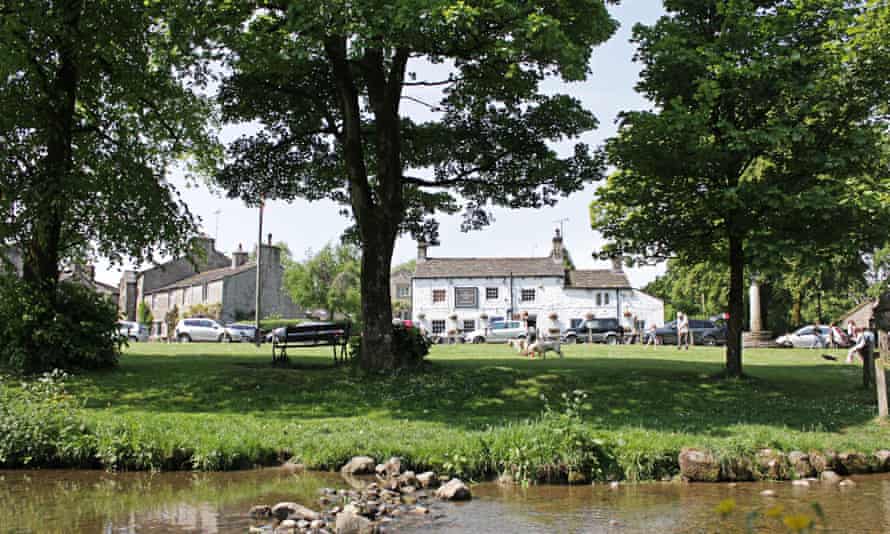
326	81
328	279
764	141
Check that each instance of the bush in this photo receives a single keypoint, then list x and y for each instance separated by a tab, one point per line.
212	311
39	425
408	344
79	333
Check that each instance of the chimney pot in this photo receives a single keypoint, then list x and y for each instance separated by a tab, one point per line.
422	250
618	264
269	239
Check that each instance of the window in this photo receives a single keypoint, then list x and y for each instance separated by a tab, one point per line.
605	299
469	325
438	326
599	299
403	292
491	293
438	296
528	295
466	297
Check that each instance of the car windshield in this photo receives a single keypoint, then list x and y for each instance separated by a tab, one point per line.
598	324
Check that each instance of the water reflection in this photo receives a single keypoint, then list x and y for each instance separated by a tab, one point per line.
96	502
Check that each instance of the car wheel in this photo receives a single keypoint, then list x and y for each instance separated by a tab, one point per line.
185	338
479	340
710	341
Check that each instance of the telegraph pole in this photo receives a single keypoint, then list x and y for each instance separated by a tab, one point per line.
259	270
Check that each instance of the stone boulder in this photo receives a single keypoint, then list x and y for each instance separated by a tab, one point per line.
260	511
830	477
882	461
292	510
737	469
771	464
454	490
853	463
350	521
800	464
698	465
408	478
359	465
823	461
393	467
427	479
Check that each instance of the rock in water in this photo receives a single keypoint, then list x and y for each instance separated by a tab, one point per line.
427	479
393	467
408	478
846	483
882	458
260	511
767	493
853	463
800	462
830	477
292	510
699	466
359	465
454	490
350	522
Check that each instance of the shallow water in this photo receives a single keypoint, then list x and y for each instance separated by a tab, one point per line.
98	502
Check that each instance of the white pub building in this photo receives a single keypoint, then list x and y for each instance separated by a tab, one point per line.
464	294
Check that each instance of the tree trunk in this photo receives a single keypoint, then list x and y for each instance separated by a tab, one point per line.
377	353
795	309
736	307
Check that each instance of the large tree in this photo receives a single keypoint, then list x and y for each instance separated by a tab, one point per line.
763	140
326	80
95	106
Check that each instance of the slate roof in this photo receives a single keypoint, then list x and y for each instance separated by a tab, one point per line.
596	279
205	277
487	267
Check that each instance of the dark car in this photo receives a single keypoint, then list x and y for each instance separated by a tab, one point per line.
604	330
703	333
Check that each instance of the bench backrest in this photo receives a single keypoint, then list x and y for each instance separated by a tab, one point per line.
318	332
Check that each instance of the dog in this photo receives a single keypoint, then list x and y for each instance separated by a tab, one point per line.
542	347
518	345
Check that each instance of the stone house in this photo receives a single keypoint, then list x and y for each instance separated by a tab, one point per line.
467	293
400	293
85	275
216	281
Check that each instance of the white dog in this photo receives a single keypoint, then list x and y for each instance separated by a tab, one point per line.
542	347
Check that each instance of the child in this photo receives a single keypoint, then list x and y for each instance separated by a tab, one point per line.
682	331
651	338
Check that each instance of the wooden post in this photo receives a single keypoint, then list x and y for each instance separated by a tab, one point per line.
880	376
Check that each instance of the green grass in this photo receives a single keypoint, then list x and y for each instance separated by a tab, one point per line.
474	410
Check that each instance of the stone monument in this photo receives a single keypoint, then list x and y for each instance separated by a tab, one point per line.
757	337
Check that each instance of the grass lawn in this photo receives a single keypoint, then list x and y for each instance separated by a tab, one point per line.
475	410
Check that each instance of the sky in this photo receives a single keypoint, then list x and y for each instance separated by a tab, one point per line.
306	226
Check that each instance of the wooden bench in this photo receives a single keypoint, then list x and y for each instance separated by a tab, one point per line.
335	335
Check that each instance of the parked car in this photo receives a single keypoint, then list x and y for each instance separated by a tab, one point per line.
805	338
703	333
497	332
198	329
132	331
606	330
240	332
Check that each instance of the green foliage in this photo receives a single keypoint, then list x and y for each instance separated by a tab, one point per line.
755	150
271	324
144	315
171	319
327	280
81	335
40	425
410	347
211	311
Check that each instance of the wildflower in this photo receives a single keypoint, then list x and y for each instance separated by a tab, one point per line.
725	507
797	522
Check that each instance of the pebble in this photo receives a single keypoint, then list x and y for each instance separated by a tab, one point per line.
420	510
613	485
317	524
614	523
767	493
801	483
846	483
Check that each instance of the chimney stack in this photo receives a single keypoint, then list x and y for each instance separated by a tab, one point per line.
557	251
617	264
269	239
239	257
422	248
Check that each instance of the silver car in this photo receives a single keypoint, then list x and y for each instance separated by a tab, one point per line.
807	337
132	331
497	332
199	329
240	332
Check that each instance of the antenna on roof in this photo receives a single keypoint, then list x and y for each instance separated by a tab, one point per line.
562	226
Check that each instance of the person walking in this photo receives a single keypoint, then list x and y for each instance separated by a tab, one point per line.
682	331
651	338
835	336
864	340
818	342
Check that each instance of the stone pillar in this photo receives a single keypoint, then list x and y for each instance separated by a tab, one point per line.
754	299
757	337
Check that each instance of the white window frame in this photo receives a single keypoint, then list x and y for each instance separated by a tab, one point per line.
443	292
437	322
471	322
524	294
489	290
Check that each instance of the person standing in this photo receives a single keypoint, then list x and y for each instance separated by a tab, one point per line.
682	331
651	338
818	342
864	340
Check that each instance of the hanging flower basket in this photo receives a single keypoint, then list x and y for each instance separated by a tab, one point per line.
589	316
453	317
553	316
483	316
452	333
523	315
553	331
421	316
627	314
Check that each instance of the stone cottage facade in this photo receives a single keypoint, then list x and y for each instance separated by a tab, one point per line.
400	293
218	281
467	293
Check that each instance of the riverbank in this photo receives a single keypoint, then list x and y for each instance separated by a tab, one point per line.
475	412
